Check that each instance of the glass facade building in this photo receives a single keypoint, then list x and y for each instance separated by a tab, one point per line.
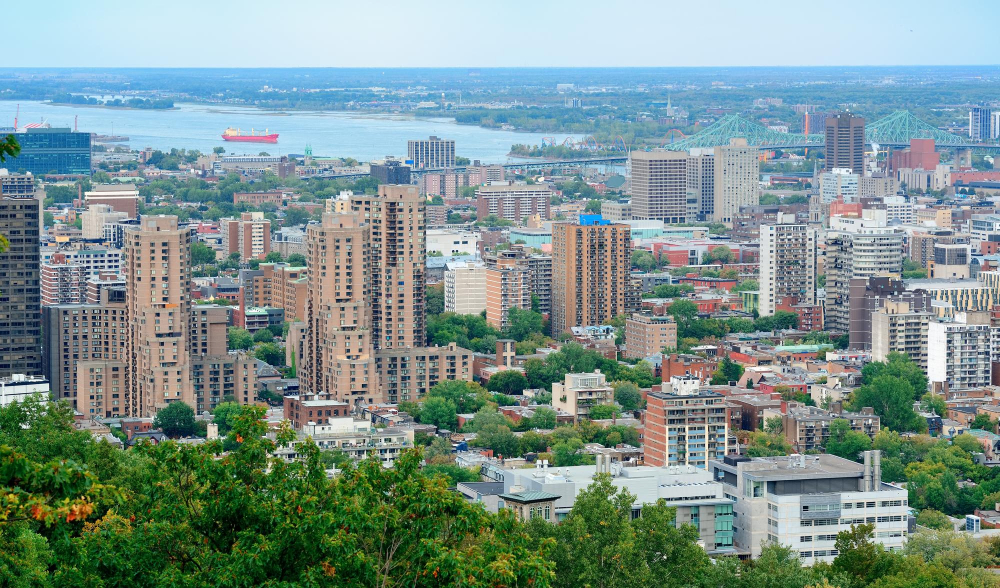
52	151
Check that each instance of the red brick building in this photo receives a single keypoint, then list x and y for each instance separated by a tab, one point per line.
258	198
317	408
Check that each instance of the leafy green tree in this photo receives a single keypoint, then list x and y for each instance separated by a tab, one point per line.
274	257
224	415
201	253
727	371
240	338
846	443
934	519
602	412
485	417
296	216
684	312
983	422
452	473
767	445
720	254
627	395
270	353
263	336
440	412
861	558
522	324
544	418
296	260
746	286
507	382
466	396
935	403
892	400
898	365
500	439
434	299
175	420
439	451
601	545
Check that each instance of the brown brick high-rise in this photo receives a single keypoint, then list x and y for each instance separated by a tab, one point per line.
397	264
157	265
845	142
591	274
339	352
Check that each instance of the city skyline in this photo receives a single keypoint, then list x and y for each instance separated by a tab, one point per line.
530	34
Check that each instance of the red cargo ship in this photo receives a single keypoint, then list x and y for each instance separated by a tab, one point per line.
232	134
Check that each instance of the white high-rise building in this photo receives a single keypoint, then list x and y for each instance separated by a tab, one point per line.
839	182
960	351
465	287
787	263
737	179
857	248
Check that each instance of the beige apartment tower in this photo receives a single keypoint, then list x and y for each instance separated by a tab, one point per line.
659	185
737	179
339	353
591	274
397	264
157	264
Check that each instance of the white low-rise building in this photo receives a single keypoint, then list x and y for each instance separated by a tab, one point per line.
18	387
449	242
803	501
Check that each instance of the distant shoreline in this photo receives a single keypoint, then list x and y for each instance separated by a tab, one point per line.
108	106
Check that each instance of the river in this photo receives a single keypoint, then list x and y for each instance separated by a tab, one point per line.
335	134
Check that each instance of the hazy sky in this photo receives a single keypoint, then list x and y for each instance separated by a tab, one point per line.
422	33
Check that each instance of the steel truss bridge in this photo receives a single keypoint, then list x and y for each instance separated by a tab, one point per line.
894	130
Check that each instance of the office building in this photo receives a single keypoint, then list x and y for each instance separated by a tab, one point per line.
16	185
513	202
19	388
787	264
465	287
20	287
96	262
390	171
700	184
803	501
979	123
687	426
617	210
56	151
921	154
737	179
698	498
432	153
579	393
591	273
157	350
123	198
951	262
659	185
647	335
397	264
839	183
339	350
857	248
845	142
898	327
960	351
249	235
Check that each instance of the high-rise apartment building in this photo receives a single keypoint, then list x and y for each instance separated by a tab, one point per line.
249	235
899	328
979	123
465	287
507	286
95	217
737	179
648	334
787	264
277	285
397	264
659	185
857	248
960	352
700	184
839	183
390	171
432	153
688	426
157	261
591	272
20	290
340	349
63	283
845	142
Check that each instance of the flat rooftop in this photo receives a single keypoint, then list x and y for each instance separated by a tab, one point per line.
787	467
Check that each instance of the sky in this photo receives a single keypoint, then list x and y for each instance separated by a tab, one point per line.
498	33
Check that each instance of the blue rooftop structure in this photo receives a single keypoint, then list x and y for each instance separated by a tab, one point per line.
588	220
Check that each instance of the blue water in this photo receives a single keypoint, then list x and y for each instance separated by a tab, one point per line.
335	134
